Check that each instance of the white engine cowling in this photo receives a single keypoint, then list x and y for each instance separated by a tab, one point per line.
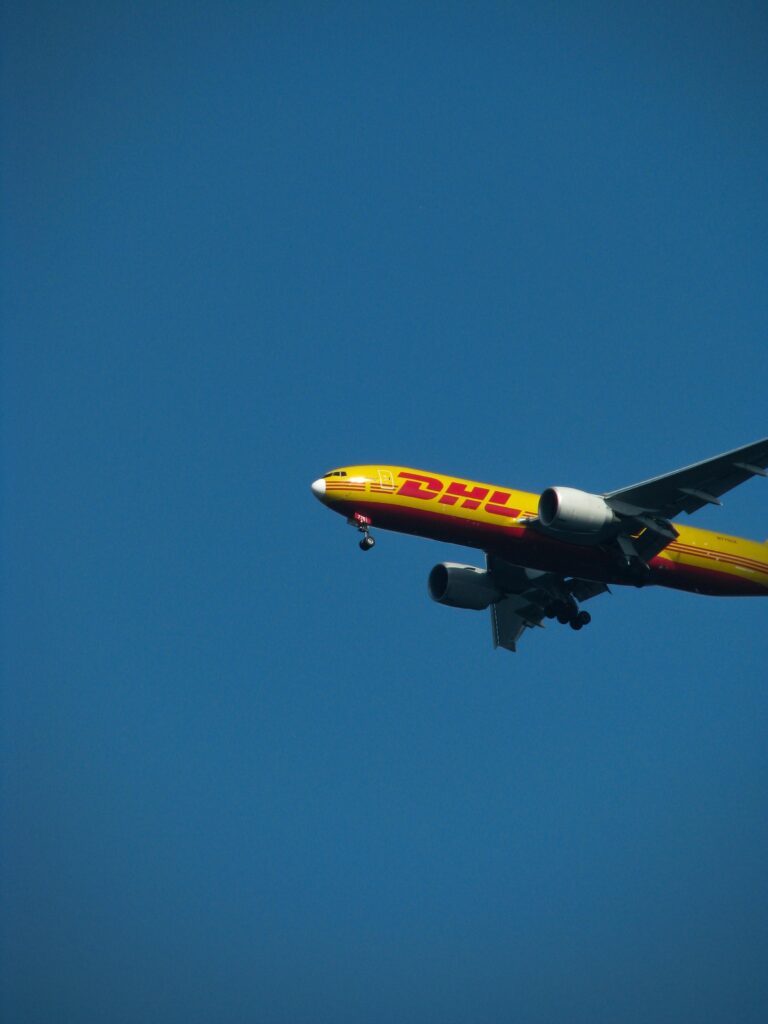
462	586
566	510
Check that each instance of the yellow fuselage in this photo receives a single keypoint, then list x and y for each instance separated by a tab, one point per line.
494	518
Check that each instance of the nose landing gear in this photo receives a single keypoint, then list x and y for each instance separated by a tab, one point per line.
363	524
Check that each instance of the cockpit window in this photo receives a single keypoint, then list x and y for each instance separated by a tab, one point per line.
336	472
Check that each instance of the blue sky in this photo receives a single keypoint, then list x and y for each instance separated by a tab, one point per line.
249	773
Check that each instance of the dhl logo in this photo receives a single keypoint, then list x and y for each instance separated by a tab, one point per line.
429	488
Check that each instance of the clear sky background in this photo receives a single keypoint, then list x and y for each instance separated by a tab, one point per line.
249	773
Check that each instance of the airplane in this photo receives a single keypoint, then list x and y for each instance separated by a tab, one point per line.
546	554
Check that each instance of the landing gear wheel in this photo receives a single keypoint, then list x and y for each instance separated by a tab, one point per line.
367	543
563	618
584	618
576	623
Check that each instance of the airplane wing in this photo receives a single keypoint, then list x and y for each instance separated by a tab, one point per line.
528	596
688	489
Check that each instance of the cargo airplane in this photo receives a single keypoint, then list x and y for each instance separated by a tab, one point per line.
545	554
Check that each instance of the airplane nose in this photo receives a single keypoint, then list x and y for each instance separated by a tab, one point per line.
318	488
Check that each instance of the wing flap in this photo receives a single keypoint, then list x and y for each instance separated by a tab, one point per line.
509	621
529	594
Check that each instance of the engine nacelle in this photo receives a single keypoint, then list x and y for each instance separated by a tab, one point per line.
462	586
578	513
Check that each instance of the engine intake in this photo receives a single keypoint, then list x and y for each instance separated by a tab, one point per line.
462	586
566	510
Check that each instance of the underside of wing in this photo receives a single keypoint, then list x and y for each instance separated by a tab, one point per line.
689	488
530	596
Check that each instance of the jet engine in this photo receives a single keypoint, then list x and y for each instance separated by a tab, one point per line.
582	515
462	586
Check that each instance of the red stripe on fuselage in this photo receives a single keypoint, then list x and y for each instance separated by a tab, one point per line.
527	547
719	556
515	543
693	578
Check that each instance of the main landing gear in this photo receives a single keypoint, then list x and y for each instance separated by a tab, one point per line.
567	612
363	524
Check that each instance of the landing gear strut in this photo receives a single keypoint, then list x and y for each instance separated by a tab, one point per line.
363	524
